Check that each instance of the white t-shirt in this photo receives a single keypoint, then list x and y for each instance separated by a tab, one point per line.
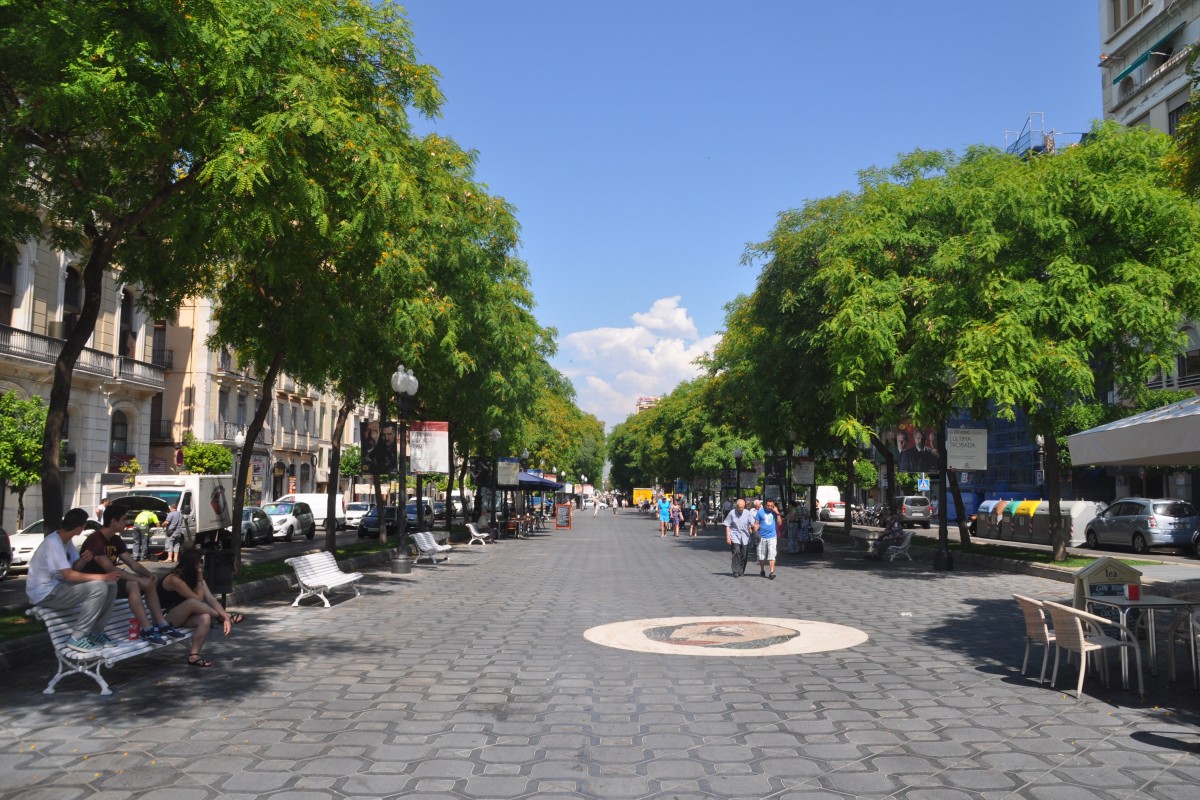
52	556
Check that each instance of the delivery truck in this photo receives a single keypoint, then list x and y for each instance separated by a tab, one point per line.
204	501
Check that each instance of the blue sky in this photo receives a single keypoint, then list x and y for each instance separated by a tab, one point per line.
644	144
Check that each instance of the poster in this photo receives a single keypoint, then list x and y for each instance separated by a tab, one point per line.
966	446
562	516
428	447
378	441
916	448
506	474
804	471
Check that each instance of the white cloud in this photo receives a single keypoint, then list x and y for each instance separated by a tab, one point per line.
611	367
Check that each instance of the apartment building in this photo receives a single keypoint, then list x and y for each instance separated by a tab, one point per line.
141	383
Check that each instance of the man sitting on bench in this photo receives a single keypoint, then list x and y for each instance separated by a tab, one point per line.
57	580
106	548
893	534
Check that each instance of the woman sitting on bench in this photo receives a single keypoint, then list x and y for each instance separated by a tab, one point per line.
188	603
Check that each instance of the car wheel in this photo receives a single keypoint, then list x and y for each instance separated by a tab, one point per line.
926	526
312	531
1139	544
1092	542
5	562
291	534
249	541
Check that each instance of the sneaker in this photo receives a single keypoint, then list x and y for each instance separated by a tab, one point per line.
771	576
152	636
171	632
103	639
83	645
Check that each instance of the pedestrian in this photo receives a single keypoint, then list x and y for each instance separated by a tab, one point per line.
100	510
676	515
616	501
174	529
767	526
595	506
737	535
693	512
664	515
56	580
142	523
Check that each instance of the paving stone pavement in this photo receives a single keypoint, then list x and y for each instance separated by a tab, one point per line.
473	680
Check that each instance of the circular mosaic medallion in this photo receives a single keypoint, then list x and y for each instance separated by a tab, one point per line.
725	636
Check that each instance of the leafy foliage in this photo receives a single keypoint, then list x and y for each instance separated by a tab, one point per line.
205	458
22	428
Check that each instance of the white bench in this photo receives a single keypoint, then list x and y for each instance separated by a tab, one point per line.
900	549
59	624
427	547
482	537
318	573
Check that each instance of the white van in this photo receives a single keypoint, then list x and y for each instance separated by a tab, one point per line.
205	501
319	502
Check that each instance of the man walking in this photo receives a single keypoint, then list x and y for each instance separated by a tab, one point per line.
767	523
737	535
174	528
56	580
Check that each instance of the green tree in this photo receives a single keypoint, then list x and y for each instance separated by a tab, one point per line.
22	427
131	469
205	458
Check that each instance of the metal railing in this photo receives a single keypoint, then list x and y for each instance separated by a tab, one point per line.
46	349
162	430
161	357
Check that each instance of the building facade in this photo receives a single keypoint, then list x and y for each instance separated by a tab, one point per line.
141	383
1144	50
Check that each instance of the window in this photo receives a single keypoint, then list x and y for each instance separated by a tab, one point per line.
8	281
1124	10
72	300
1173	118
241	411
126	339
119	440
222	405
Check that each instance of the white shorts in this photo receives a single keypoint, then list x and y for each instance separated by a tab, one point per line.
768	548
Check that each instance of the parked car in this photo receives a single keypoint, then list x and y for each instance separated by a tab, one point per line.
256	527
410	513
439	509
5	553
833	511
23	543
290	519
368	526
1142	523
913	509
355	512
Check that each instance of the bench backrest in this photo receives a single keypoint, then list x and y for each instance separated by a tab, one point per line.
315	566
424	540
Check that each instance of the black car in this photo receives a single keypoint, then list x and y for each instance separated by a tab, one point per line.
5	553
368	526
256	527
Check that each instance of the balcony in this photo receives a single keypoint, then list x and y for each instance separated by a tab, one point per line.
44	350
162	431
161	357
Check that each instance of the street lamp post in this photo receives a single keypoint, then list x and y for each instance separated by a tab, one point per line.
405	385
791	448
495	437
737	460
943	561
239	441
1041	476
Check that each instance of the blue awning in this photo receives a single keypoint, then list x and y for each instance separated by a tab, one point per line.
527	481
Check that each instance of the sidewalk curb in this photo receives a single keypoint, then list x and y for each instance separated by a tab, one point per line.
35	649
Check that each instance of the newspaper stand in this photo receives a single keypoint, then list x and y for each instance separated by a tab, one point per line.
1105	578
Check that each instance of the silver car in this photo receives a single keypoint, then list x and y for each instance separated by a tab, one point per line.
1142	523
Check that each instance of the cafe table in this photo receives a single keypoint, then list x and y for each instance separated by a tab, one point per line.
1150	603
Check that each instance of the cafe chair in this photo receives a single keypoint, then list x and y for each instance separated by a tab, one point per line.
1180	631
1037	631
1080	632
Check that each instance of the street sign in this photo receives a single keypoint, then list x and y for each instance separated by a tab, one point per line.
923	485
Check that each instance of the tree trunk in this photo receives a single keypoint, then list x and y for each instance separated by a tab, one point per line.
20	507
1058	534
335	465
256	426
64	369
848	522
964	535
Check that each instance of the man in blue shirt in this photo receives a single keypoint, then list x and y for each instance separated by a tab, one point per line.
737	535
767	523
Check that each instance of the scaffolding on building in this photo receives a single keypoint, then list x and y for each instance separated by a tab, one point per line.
1032	138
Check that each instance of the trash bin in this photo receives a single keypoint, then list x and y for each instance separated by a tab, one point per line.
401	565
218	570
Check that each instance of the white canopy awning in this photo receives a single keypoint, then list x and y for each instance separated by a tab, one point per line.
1162	437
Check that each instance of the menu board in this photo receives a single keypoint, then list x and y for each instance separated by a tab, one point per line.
562	516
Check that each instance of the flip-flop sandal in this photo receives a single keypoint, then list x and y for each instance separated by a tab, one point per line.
236	618
197	661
